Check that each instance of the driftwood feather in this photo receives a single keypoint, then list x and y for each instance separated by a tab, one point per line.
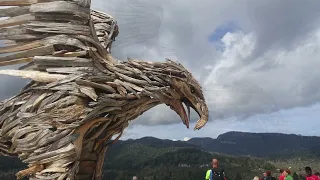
79	96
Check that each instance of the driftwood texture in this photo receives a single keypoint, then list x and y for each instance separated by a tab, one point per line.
79	97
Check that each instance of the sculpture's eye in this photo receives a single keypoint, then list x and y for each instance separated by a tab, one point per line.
192	89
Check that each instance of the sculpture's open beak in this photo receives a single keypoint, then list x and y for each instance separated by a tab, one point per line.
200	107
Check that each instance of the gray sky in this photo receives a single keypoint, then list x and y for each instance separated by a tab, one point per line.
257	61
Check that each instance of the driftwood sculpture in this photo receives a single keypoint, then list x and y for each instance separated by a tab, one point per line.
79	96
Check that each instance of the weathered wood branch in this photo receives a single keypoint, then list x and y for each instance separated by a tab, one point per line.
61	7
34	75
17	20
62	61
14	11
44	50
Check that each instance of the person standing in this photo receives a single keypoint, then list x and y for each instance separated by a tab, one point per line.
281	177
267	176
287	174
264	174
309	175
217	172
256	178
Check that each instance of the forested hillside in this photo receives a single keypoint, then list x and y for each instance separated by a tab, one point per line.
158	159
150	162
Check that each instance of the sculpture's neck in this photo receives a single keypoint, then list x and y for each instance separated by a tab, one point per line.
132	109
135	87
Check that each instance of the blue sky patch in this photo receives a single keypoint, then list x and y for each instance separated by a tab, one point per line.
220	31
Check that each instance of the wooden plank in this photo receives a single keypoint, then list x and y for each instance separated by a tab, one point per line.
20	47
102	16
61	17
89	91
83	3
101	39
96	85
65	53
61	7
97	19
24	37
19	33
65	40
93	31
34	75
10	31
16	61
40	51
14	11
102	27
75	54
17	20
58	28
42	157
17	2
69	70
62	61
9	42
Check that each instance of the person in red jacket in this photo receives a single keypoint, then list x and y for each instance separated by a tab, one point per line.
281	177
309	175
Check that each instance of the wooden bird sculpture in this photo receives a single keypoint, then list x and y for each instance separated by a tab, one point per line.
79	96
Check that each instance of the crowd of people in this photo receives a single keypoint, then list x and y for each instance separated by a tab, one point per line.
217	173
285	174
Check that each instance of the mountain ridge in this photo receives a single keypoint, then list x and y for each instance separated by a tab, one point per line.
243	143
257	144
242	153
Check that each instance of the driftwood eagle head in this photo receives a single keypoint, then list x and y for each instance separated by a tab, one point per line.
167	83
79	96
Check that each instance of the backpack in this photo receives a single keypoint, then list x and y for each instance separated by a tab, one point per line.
217	174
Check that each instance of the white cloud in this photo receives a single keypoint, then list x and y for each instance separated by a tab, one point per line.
241	87
186	139
297	120
277	80
269	64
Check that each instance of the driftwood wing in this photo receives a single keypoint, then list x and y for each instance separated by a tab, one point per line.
55	37
63	47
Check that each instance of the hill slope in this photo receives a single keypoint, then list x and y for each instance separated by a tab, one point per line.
165	159
180	162
259	144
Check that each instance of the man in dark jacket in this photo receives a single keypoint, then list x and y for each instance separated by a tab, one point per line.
216	173
268	176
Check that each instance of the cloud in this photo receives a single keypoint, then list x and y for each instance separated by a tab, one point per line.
220	31
266	60
282	24
297	120
277	80
186	139
264	64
